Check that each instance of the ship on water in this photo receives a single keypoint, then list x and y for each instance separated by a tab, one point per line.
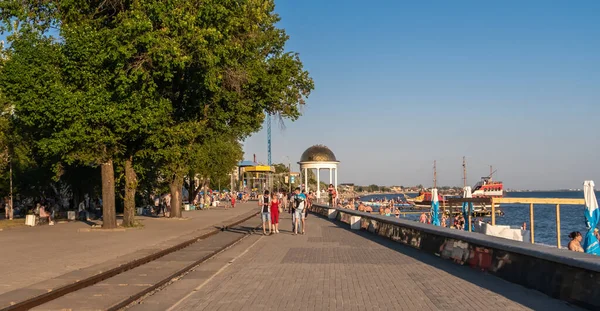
487	188
423	200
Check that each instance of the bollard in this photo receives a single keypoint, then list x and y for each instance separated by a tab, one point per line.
331	213
355	222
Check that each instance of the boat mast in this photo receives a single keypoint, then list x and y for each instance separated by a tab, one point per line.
434	175
464	172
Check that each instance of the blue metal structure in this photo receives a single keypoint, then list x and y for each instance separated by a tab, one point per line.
269	139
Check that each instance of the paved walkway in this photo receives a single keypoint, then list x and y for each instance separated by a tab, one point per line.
33	254
332	268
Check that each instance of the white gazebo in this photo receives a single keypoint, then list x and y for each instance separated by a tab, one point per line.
319	157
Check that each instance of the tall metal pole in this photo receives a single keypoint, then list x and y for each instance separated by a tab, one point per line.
289	175
491	173
269	138
270	175
464	172
434	175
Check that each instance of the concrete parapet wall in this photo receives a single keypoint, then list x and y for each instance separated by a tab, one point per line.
569	276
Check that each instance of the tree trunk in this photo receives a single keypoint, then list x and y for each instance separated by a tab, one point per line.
175	186
195	189
109	218
130	188
191	187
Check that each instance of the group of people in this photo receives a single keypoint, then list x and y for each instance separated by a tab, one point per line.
272	205
162	204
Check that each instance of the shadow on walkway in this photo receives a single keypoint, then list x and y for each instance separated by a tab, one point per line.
527	297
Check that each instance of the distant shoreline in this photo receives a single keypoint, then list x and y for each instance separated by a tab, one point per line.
359	194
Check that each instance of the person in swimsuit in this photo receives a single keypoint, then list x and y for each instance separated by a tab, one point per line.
423	218
575	244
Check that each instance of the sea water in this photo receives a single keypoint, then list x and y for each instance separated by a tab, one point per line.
571	216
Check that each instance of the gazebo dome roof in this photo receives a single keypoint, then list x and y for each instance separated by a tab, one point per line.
318	153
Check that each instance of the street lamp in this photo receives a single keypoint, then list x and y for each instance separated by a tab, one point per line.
289	174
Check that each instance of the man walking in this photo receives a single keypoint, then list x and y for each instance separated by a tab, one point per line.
300	204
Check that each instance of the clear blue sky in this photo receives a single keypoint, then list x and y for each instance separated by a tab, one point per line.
398	84
513	84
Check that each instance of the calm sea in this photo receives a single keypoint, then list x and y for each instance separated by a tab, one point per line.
571	216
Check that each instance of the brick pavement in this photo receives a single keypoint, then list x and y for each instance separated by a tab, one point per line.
33	254
332	268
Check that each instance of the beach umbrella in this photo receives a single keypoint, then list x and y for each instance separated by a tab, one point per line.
435	207
465	206
592	217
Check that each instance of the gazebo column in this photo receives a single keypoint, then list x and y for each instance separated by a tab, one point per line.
318	184
306	179
336	182
331	176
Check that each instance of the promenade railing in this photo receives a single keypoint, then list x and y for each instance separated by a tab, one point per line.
494	202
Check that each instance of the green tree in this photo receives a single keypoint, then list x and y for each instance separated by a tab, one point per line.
222	67
146	80
213	161
83	98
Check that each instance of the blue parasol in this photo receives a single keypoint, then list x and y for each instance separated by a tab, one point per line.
592	217
467	207
435	207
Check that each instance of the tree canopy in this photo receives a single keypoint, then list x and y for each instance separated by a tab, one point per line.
169	86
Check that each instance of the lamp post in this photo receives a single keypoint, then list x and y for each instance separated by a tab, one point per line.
289	173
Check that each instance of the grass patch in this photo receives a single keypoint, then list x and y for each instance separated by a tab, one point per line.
136	225
7	224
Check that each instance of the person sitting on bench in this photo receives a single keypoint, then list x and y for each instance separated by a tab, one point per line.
44	214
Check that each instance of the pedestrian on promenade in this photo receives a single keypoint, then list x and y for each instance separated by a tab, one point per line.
292	209
575	244
275	208
264	202
300	204
233	201
284	202
162	207
168	203
309	202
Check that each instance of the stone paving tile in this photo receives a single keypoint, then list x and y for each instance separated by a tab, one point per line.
332	268
65	249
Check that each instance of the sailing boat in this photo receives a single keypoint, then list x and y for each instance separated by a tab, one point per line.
423	200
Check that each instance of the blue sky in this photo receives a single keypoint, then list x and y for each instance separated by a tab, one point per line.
399	84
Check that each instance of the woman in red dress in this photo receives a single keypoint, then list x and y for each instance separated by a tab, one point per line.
275	213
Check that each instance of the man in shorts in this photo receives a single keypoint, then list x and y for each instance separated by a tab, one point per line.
264	201
299	204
